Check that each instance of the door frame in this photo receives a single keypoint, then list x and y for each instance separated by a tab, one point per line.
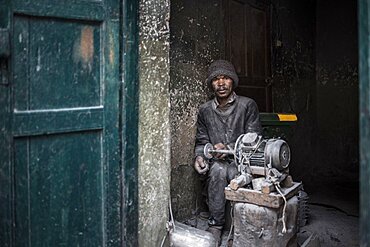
5	140
129	120
364	108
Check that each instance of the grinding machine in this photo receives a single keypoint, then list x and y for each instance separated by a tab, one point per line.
256	157
264	195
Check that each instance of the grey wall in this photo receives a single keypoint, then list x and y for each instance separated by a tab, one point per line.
294	82
315	76
197	38
337	91
154	124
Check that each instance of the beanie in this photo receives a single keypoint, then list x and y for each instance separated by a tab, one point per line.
222	67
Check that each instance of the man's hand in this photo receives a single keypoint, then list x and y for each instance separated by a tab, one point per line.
200	166
219	146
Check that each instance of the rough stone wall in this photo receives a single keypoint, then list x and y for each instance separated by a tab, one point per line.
154	124
197	38
293	66
337	91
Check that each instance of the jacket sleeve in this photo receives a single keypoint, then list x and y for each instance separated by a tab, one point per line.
201	138
253	123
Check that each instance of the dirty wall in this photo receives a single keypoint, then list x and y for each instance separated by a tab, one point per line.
293	76
315	77
196	40
154	125
337	93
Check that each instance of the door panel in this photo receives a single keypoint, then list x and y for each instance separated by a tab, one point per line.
82	9
248	48
258	37
64	107
237	42
63	69
59	180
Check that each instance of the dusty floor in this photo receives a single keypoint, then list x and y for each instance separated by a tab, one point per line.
332	226
334	214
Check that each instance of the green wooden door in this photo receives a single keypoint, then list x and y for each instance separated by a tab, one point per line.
61	174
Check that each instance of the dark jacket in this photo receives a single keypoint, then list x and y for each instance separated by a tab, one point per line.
215	126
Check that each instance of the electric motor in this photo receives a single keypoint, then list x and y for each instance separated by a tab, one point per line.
252	148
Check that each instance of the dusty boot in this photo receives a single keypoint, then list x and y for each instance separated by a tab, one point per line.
216	232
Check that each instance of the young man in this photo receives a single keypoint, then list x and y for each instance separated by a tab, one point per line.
220	122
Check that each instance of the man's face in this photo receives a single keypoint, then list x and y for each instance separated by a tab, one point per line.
222	86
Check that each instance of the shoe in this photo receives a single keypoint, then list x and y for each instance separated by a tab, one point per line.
216	232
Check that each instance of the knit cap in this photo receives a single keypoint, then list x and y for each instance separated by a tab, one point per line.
222	67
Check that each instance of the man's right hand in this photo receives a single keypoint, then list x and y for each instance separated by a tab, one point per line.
200	166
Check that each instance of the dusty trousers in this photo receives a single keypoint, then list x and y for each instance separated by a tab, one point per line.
219	176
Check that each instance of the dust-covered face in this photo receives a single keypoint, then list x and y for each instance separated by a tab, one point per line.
222	86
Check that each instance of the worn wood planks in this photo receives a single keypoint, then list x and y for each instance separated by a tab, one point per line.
272	200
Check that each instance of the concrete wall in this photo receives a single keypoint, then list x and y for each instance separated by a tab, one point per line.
154	124
197	38
315	76
294	82
337	91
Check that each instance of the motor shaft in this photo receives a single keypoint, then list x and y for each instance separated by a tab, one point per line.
208	151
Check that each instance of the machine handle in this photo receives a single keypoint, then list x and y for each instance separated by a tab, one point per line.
208	151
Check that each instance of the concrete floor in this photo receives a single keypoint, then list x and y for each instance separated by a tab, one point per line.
334	214
333	227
